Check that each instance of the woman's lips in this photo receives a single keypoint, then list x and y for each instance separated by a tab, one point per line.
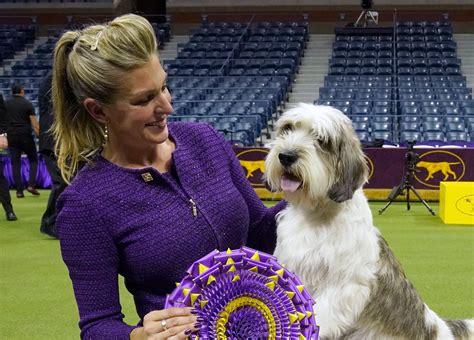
161	124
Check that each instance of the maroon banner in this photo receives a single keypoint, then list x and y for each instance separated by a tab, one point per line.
387	166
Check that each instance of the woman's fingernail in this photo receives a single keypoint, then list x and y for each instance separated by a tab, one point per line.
200	319
187	332
194	311
197	325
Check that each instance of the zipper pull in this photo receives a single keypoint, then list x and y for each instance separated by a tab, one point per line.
193	207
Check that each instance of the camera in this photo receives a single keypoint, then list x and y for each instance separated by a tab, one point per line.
411	157
367	4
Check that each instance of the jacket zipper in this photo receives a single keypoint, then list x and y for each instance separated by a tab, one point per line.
193	207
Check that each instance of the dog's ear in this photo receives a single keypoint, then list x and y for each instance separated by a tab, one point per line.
351	168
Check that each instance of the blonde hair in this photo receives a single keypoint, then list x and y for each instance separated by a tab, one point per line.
91	63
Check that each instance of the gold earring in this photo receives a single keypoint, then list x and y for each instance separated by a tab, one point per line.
106	135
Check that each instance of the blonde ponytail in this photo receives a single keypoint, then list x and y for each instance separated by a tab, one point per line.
91	63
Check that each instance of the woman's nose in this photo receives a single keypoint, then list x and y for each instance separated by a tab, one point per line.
163	104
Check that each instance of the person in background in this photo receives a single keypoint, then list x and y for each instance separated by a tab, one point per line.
153	197
5	197
46	147
21	119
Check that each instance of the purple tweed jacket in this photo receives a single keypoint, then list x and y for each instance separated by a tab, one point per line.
143	225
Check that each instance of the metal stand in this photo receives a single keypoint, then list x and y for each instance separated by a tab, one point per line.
366	15
406	185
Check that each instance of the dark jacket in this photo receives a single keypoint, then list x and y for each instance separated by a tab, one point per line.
46	141
3	116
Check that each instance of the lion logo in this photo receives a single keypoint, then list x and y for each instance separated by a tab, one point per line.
439	165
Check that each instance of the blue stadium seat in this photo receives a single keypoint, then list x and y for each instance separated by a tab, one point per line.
404	54
409	126
454	119
433	54
456	136
360	110
405	71
339	54
409	136
450	111
432	126
364	136
433	119
370	54
385	54
410	119
455	127
404	46
383	135
361	126
448	46
434	136
352	70
341	46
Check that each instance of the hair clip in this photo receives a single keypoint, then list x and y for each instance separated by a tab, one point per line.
94	47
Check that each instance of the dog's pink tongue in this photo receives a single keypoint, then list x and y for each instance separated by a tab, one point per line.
289	184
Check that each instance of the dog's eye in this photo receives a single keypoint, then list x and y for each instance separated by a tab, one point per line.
324	144
286	128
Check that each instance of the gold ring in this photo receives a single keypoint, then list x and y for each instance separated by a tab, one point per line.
163	324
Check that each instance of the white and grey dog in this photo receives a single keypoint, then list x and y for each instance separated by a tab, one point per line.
326	235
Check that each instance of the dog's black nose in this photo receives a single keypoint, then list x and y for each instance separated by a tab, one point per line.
287	158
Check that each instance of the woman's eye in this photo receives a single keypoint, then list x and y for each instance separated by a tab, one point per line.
164	87
146	100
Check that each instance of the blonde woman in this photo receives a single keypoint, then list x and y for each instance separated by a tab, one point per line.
152	197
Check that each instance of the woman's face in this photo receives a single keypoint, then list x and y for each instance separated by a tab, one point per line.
138	117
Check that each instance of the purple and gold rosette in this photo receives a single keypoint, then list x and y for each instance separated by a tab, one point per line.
246	294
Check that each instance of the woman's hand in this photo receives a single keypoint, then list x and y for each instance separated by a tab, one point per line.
3	142
171	323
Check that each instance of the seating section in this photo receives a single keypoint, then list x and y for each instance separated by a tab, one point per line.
13	38
49	1
31	70
402	86
396	84
234	74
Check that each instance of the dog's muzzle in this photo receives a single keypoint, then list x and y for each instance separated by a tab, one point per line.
289	182
287	158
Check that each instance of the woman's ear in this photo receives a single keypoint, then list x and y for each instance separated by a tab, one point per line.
95	109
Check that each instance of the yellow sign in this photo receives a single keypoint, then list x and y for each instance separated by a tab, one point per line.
456	202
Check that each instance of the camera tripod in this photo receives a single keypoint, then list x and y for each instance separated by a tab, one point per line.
406	185
365	16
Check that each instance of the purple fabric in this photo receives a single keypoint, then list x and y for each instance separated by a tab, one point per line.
111	221
43	180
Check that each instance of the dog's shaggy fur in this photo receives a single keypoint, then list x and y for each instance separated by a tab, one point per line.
326	235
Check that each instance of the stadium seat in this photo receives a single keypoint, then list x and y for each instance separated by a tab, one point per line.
409	136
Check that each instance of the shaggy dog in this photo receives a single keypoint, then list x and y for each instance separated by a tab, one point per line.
326	235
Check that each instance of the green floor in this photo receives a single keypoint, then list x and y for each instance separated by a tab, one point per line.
36	299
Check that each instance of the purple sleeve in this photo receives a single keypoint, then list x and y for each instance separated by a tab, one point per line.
262	228
91	257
